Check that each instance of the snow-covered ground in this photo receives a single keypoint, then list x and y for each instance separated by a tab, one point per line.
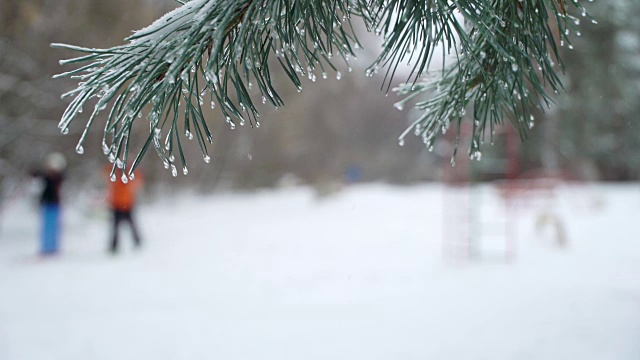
359	275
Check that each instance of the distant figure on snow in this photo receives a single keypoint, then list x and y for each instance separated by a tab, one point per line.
53	175
122	200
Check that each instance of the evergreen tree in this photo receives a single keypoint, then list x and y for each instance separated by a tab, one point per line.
221	52
598	123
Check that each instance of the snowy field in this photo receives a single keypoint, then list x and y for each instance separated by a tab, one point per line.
359	275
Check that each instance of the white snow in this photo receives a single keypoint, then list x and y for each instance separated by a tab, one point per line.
171	21
359	275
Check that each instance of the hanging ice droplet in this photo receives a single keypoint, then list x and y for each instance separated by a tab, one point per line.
65	131
514	67
401	141
338	75
132	176
79	149
213	105
206	158
264	100
185	171
124	179
399	105
105	148
113	178
174	171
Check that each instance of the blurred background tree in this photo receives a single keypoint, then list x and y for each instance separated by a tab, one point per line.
598	135
592	134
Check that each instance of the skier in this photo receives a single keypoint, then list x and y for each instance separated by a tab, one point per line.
53	176
122	199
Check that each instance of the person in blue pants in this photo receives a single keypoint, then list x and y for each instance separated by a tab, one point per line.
53	176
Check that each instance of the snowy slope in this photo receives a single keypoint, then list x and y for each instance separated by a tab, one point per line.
360	275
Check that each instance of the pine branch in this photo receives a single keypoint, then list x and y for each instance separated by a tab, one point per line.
504	69
223	48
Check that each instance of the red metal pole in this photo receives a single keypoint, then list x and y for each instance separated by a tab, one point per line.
513	169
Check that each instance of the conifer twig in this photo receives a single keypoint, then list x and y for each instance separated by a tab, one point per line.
221	52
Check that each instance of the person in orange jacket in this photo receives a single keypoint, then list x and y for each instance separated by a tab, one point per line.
122	200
